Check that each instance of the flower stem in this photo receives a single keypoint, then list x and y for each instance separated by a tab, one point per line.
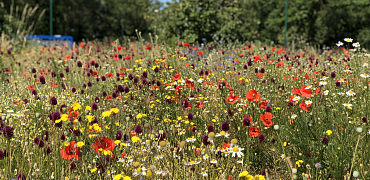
354	153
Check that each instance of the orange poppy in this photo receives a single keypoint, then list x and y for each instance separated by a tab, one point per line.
176	77
224	146
254	131
106	144
70	151
304	107
232	99
280	64
252	95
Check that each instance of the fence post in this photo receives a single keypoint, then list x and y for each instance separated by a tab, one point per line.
286	21
51	17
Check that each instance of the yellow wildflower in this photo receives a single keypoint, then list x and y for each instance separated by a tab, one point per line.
80	144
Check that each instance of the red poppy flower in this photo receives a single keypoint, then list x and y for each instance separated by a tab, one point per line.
200	52
31	87
232	99
190	84
257	58
305	92
67	57
123	155
197	150
74	115
116	58
224	145
254	131
54	85
127	58
200	104
109	75
318	91
252	95
266	117
104	143
108	97
70	151
304	107
280	64
95	74
186	44
119	48
178	89
148	48
176	77
263	105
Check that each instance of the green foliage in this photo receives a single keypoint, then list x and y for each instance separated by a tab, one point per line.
319	22
193	20
89	19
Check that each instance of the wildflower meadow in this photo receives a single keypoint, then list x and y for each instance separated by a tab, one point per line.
215	110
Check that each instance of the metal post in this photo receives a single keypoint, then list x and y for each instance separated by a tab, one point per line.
51	17
286	21
122	32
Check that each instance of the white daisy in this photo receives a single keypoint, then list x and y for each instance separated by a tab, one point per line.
356	44
365	65
347	71
348	39
236	150
324	78
282	156
308	102
323	83
158	172
297	98
223	133
203	173
205	157
342	80
340	93
339	43
293	116
364	75
347	105
326	92
350	93
308	87
240	161
200	80
213	161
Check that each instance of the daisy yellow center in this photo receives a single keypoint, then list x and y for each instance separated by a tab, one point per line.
223	133
192	162
138	170
235	149
365	74
350	92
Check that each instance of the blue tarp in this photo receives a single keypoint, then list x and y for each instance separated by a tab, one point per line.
48	37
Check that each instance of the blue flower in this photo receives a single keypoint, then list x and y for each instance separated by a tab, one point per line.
214	35
221	42
317	165
204	39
